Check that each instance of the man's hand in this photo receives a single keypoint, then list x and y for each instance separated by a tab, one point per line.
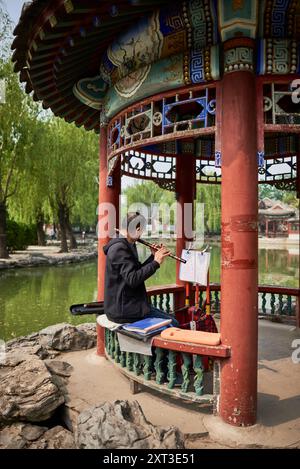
161	254
155	248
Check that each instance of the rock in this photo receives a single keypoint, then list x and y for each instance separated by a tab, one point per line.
27	390
65	337
56	367
122	425
20	435
32	344
55	438
70	411
11	437
90	329
33	432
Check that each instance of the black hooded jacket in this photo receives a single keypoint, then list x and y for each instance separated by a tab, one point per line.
125	297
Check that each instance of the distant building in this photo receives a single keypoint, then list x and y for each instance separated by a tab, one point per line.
294	228
275	218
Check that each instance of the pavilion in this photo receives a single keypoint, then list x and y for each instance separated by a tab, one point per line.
275	218
207	88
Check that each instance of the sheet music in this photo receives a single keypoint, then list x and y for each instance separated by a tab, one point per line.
196	268
202	266
187	271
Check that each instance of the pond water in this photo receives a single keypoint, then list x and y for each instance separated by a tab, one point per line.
33	298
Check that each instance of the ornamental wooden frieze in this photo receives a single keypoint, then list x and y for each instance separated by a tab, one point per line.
188	113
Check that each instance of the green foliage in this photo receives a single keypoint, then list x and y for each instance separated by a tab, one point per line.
148	193
269	191
20	236
70	168
15	134
210	196
290	198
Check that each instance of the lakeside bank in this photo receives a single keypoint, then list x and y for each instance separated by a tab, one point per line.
36	256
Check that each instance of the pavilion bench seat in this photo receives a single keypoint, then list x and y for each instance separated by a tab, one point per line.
171	360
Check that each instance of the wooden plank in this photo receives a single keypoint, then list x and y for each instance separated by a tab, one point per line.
220	351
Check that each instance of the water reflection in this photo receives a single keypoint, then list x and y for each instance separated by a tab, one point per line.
31	299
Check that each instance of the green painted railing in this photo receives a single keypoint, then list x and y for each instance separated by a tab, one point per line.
272	300
172	372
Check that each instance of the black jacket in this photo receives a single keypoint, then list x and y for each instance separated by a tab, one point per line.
125	297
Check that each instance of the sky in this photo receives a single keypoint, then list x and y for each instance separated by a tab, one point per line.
14	8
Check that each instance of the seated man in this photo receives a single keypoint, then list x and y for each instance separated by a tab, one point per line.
125	297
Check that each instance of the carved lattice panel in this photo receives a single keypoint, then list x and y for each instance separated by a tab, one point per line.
182	115
276	170
207	172
142	165
281	105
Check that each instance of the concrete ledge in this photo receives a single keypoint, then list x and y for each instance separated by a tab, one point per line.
256	436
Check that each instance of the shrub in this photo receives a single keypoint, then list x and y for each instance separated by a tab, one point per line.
20	236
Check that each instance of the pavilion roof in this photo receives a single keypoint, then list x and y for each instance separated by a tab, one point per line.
275	208
59	42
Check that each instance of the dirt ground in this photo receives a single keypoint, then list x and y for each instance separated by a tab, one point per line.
95	380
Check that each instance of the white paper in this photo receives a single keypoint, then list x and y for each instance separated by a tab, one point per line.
196	268
187	271
202	266
129	344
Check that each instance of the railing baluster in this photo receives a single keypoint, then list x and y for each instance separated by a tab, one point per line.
112	344
172	375
107	340
155	301
147	369
289	305
168	308
199	371
263	303
280	299
161	301
117	349
129	361
137	364
185	368
158	365
272	303
123	359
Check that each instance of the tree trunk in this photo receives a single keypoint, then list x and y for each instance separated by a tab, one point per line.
63	227
3	246
73	242
40	230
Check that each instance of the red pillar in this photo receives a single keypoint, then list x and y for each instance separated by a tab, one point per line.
185	194
239	273
107	194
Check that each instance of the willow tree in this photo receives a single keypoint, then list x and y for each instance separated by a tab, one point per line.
14	142
31	204
70	166
153	197
210	196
